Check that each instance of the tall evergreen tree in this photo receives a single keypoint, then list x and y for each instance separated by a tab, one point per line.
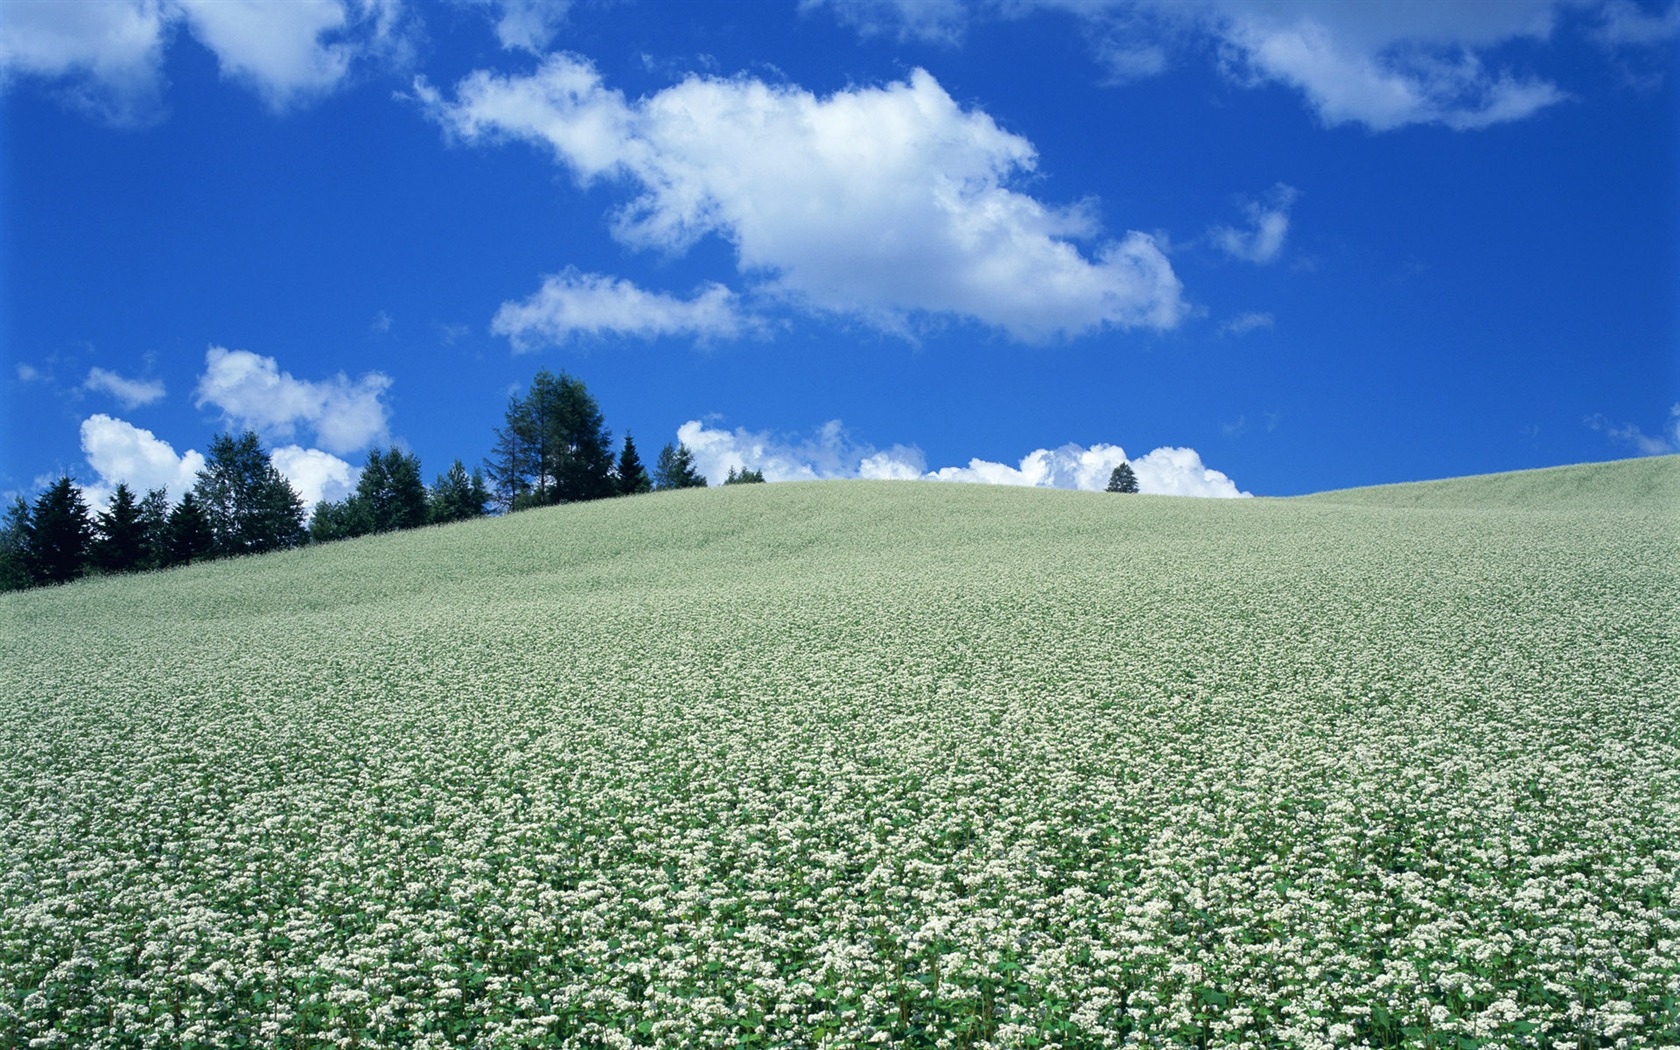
1122	479
14	547
675	469
511	463
745	477
59	534
154	527
389	494
250	505
455	496
631	477
119	543
188	536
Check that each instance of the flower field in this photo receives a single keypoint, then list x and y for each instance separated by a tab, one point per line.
852	763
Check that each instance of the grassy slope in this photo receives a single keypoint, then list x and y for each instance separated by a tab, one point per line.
1464	663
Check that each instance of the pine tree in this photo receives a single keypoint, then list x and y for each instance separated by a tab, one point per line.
14	547
511	463
59	534
631	477
675	469
455	496
154	527
120	536
250	506
188	536
1122	479
745	477
389	494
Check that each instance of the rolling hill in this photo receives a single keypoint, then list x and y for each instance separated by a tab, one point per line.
852	762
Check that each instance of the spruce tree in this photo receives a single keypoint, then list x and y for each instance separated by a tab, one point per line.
188	536
59	534
455	496
1122	479
631	477
675	469
120	536
154	527
14	547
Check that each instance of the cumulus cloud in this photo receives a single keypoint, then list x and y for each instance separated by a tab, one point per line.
1662	443
1268	219
119	451
108	56
832	452
131	392
573	304
888	204
251	391
313	474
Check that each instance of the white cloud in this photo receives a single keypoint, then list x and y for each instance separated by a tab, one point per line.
107	56
119	451
930	21
831	452
1269	225
527	25
1242	324
251	391
572	304
1623	23
27	373
313	474
131	392
1661	443
888	204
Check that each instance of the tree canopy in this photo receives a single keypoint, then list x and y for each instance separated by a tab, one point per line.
1122	479
676	470
248	503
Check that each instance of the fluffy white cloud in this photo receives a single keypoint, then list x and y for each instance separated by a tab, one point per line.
108	56
585	304
1268	220
1242	324
831	452
251	391
884	203
313	474
131	392
527	25
119	451
109	53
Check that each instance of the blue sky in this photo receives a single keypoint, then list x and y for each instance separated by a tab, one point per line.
1269	248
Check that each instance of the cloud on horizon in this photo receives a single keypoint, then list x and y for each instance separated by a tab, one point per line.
887	204
832	452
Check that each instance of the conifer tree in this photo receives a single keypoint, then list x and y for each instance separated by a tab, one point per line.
14	547
120	536
631	477
455	496
1122	479
59	534
675	469
188	536
250	506
154	527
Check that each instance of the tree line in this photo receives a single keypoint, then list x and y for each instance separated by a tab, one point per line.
553	447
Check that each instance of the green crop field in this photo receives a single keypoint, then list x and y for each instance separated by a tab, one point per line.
855	763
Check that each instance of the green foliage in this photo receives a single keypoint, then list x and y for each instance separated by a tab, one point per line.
675	469
120	541
455	496
14	547
745	477
389	494
1122	479
248	504
553	448
874	770
188	537
631	477
154	526
59	534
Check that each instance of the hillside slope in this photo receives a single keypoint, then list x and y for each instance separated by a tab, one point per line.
861	761
1650	484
